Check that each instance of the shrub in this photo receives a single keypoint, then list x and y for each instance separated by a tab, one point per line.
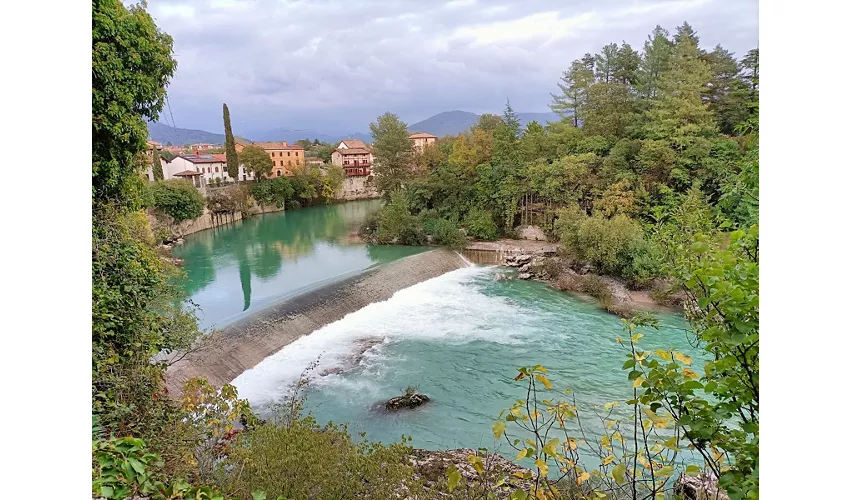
480	224
595	287
177	199
304	460
122	468
614	246
396	224
277	191
447	233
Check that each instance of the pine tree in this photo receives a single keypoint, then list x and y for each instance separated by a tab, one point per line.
157	166
230	147
606	63
511	119
627	64
574	84
656	60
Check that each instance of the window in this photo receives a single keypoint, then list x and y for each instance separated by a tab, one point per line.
287	153
216	169
278	173
244	177
274	163
296	153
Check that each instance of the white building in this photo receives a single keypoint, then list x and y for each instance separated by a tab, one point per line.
211	167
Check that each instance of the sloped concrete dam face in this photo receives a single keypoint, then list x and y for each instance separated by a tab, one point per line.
225	354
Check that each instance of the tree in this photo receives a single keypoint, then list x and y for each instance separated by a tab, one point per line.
750	68
131	65
256	160
487	122
628	62
606	63
392	148
656	60
679	114
230	147
574	85
609	110
157	165
686	34
177	199
511	120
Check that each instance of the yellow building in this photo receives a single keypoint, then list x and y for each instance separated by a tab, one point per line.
284	157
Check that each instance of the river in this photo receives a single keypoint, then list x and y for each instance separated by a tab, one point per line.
459	337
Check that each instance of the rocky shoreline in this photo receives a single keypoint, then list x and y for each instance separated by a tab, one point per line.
539	261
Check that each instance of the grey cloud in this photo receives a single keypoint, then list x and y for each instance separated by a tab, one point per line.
336	65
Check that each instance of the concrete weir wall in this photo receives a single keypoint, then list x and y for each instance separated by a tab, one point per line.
225	354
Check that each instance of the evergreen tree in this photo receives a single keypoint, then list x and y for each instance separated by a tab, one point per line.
511	120
230	147
606	63
574	84
656	60
609	110
750	68
393	149
685	33
627	64
157	165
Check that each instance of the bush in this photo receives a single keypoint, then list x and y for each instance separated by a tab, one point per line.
479	224
177	199
595	287
277	191
614	246
396	224
304	460
447	233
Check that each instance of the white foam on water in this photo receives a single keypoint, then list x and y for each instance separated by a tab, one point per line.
448	308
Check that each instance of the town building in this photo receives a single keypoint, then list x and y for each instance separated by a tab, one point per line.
211	167
422	140
354	156
204	146
285	157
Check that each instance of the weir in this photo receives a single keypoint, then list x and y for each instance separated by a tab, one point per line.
226	353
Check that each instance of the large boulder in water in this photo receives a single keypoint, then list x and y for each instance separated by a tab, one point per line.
410	400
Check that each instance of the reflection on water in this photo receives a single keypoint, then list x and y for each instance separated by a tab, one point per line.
241	267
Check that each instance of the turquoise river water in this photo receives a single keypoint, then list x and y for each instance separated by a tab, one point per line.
459	337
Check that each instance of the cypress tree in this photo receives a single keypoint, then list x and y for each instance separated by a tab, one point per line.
157	166
230	147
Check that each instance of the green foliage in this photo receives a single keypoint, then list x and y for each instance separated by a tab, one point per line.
230	200
303	460
230	146
446	232
177	199
131	65
276	191
256	160
392	148
156	165
123	468
396	224
479	224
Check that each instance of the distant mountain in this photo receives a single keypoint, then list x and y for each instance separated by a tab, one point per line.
455	122
164	134
445	123
541	118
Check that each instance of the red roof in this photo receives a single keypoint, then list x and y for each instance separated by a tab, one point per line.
187	173
275	145
422	136
354	144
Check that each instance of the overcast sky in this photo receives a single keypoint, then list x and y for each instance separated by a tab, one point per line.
334	66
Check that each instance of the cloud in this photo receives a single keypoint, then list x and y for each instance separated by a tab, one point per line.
335	65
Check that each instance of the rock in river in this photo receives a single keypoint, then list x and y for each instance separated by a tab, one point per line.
408	401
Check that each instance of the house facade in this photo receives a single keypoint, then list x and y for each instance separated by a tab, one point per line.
211	167
422	140
354	156
285	157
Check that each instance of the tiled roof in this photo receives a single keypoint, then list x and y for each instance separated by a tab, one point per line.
221	156
354	144
354	151
275	145
187	173
422	136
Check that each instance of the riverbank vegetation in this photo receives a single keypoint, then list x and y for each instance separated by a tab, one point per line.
662	168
